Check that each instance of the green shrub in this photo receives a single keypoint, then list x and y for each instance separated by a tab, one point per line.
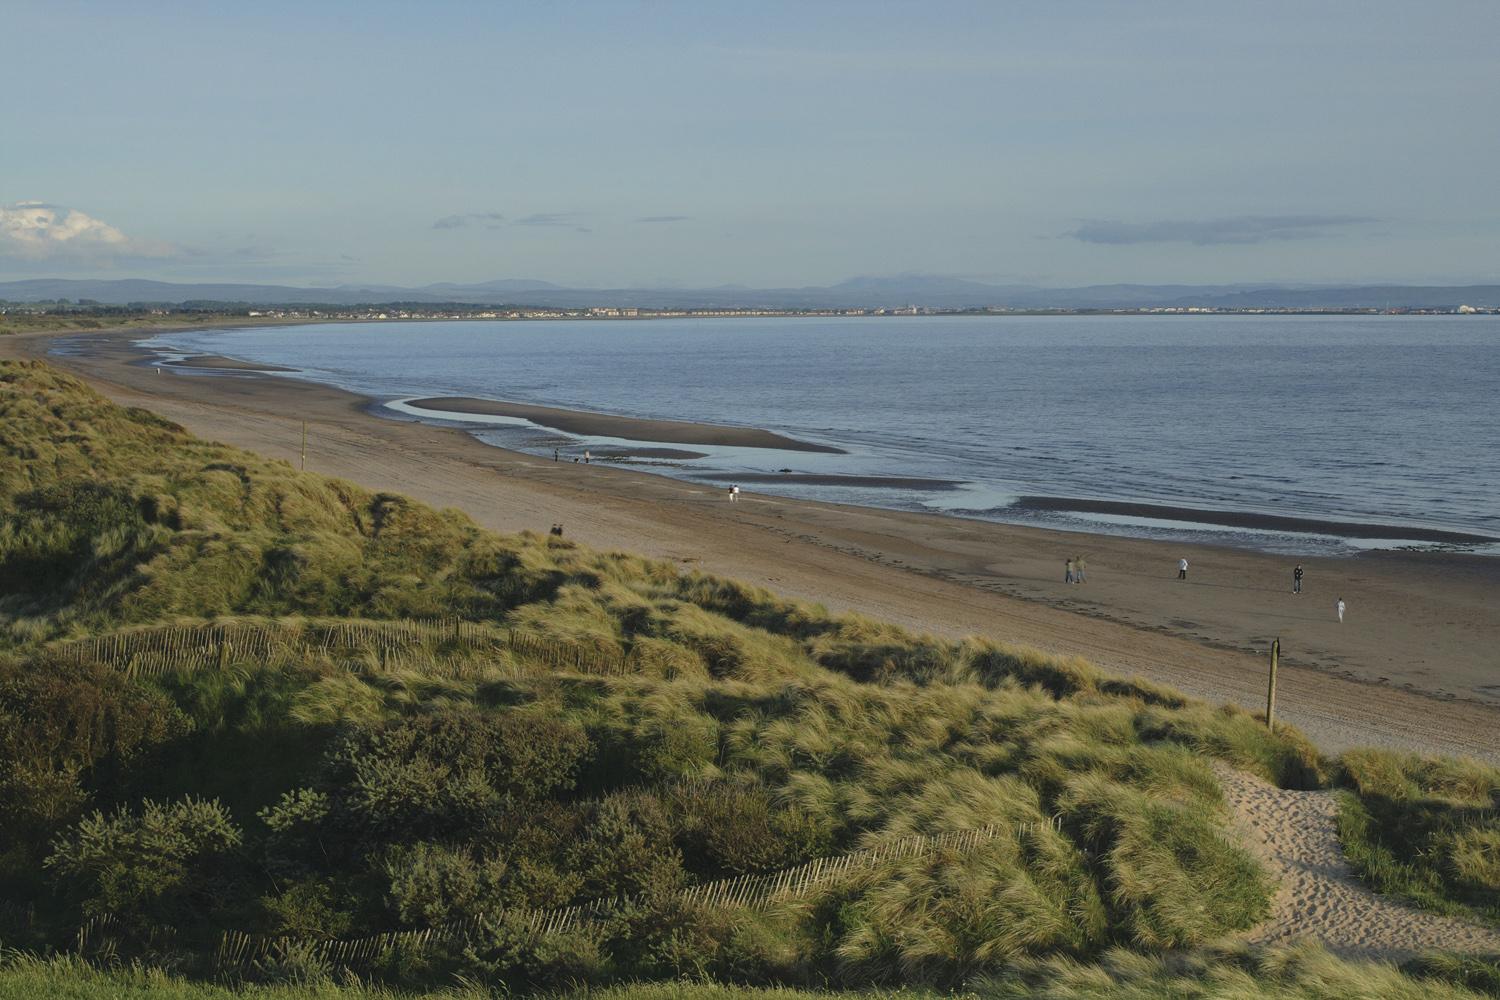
65	729
428	884
168	864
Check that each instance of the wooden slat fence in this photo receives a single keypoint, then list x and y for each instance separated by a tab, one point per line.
754	892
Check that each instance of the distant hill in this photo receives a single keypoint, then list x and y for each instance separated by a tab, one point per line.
866	292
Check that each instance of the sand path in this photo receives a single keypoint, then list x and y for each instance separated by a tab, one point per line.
1295	835
1426	624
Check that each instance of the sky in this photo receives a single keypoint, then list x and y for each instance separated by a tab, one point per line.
768	144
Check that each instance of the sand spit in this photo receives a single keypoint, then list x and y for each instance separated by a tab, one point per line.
216	362
821	479
629	428
1253	521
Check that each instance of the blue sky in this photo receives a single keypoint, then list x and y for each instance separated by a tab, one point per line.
767	144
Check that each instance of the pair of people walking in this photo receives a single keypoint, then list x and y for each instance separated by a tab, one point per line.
1075	571
734	494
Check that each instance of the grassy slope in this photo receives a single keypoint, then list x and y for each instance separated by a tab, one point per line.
85	321
1427	830
748	733
1299	974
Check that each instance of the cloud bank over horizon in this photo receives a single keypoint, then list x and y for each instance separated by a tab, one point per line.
41	233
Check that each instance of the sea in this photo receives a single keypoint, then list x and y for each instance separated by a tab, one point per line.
1359	431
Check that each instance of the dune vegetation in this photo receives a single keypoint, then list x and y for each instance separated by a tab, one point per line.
259	725
34	318
1424	829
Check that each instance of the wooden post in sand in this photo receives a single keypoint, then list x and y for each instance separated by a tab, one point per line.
304	446
1271	687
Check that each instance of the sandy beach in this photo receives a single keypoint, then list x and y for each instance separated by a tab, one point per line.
1414	665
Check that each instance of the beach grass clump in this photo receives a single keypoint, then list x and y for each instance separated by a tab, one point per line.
1425	829
1298	972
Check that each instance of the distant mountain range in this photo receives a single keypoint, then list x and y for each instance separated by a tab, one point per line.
867	292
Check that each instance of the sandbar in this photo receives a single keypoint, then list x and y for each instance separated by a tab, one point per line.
630	428
625	454
1253	521
821	479
220	363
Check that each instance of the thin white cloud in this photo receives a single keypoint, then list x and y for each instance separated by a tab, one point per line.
490	220
37	231
1213	232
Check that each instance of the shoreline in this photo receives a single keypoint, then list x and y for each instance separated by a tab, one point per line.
1413	668
591	424
1160	520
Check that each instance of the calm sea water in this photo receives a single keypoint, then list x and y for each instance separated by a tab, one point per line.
1388	420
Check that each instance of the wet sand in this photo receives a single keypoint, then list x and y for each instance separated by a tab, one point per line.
824	479
1415	665
629	428
216	362
624	454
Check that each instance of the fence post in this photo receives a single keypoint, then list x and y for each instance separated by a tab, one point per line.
1271	686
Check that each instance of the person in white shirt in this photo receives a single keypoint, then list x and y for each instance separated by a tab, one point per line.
1182	569
1339	607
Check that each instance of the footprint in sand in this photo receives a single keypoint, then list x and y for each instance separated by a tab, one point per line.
1295	836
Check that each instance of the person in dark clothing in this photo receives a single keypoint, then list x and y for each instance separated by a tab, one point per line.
1297	579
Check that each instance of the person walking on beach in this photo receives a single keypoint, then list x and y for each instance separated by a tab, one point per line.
586	458
1339	607
554	454
1297	579
1078	574
1182	569
1068	575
